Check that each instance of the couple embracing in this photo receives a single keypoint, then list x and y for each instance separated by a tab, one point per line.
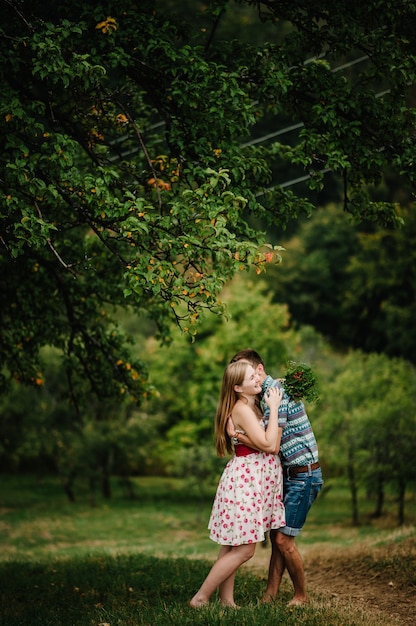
268	485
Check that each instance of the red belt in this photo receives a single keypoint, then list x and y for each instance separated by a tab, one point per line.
293	470
242	450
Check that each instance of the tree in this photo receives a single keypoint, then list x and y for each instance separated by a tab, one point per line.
188	377
188	374
378	304
40	431
355	285
314	281
124	177
368	419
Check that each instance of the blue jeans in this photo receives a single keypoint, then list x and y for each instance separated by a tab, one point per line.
299	494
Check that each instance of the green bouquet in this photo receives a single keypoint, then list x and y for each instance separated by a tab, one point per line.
300	382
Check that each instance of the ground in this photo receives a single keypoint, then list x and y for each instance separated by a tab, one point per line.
375	579
352	580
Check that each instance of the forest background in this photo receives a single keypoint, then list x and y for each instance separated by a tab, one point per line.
179	183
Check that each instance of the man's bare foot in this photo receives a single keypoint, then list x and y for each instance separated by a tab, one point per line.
296	602
231	605
267	598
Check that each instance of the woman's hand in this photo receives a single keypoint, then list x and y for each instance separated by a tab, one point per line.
273	397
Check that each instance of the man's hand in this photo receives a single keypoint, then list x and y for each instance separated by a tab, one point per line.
231	432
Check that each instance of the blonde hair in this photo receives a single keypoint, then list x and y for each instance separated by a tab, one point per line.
234	375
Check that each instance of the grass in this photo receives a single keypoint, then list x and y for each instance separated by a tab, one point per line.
39	521
139	590
132	590
139	562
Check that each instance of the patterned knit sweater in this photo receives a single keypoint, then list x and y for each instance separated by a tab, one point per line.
298	445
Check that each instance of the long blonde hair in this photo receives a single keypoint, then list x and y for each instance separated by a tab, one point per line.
234	375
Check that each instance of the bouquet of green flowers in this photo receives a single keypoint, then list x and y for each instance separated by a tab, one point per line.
300	382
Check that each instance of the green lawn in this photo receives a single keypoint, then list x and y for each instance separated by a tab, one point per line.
139	561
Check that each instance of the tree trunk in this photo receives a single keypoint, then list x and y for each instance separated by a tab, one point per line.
380	497
105	475
68	485
402	492
353	486
68	488
105	484
128	487
91	482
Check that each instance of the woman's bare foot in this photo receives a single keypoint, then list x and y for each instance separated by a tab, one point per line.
197	602
232	605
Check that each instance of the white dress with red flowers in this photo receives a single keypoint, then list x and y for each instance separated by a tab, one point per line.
249	499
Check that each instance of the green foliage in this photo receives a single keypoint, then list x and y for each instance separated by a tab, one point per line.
41	431
367	417
355	285
188	376
124	179
129	180
154	239
379	299
314	281
300	382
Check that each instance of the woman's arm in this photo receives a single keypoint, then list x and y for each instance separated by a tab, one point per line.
242	437
254	435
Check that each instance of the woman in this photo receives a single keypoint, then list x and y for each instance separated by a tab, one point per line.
249	499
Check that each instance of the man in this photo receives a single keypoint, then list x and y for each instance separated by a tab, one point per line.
302	481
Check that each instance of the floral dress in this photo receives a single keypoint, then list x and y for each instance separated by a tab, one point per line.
249	498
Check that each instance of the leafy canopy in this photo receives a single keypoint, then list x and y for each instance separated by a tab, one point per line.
127	175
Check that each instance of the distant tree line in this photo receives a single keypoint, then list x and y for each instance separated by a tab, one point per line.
364	418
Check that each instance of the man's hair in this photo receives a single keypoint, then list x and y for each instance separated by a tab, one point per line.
249	355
